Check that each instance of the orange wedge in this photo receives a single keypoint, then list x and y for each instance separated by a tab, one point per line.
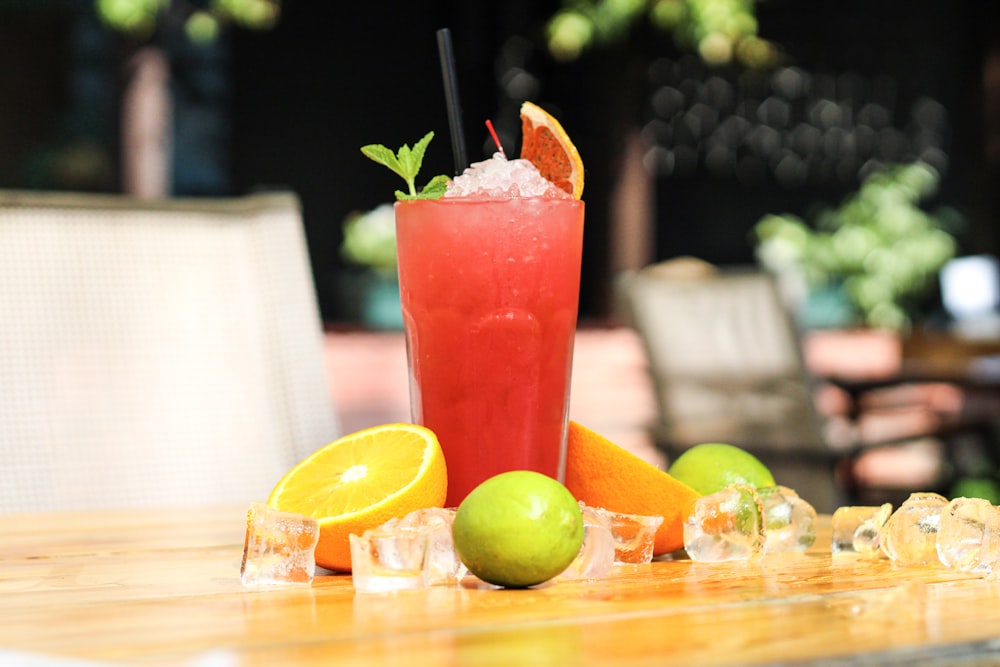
362	480
546	145
602	474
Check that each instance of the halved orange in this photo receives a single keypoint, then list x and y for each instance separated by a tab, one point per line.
362	480
602	474
546	145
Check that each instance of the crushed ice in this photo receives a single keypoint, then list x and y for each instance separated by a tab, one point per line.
500	178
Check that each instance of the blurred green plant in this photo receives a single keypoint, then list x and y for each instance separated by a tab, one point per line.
720	31
202	21
879	248
370	240
980	486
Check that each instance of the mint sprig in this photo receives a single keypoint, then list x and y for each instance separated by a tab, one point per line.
407	162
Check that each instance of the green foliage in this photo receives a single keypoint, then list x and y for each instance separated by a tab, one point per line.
406	162
138	19
370	239
984	487
134	17
879	246
252	14
720	31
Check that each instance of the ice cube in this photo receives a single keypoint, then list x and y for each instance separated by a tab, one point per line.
726	525
857	529
443	564
789	521
597	554
499	177
633	534
909	536
389	558
279	547
968	535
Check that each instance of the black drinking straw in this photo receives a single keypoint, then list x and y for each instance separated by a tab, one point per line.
451	99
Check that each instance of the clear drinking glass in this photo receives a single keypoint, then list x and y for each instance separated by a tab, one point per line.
489	291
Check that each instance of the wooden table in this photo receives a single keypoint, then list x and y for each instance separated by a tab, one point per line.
162	588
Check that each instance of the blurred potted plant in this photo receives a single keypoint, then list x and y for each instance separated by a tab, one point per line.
719	31
872	261
370	243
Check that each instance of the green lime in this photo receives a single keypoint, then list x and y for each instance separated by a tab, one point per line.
711	467
518	529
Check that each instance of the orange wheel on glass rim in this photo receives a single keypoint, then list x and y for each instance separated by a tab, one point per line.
546	145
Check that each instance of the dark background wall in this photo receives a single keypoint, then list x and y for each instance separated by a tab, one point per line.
903	82
290	107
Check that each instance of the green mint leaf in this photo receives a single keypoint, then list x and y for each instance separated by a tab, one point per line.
419	149
406	159
383	156
406	162
435	187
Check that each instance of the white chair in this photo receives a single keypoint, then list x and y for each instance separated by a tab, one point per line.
155	352
726	362
726	365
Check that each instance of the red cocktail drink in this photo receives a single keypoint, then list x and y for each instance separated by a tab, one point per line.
489	291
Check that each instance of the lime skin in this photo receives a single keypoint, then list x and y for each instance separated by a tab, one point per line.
518	529
711	467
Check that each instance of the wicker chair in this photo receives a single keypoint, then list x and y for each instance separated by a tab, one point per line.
155	352
726	366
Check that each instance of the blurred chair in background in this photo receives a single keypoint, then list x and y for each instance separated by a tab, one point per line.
727	366
155	352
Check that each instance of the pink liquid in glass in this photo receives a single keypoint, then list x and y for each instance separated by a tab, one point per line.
489	292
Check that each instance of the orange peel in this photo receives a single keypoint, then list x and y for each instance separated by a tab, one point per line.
546	145
602	474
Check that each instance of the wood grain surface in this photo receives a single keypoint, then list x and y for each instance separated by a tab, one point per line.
162	588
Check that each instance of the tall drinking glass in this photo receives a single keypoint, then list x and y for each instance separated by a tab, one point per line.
489	291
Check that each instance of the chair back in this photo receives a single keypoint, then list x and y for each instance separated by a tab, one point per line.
161	352
725	358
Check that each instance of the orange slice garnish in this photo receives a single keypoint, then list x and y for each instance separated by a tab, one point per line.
602	474
362	480
546	145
